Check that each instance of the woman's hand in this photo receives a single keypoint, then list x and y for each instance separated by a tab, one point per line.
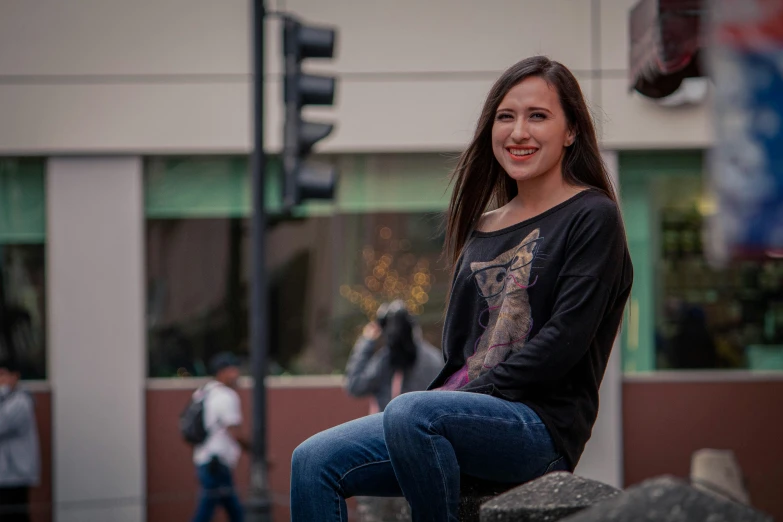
372	331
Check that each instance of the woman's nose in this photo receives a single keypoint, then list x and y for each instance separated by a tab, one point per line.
520	132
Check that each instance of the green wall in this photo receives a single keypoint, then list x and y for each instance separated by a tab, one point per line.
639	172
22	201
220	186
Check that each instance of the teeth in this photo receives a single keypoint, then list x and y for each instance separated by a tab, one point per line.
521	152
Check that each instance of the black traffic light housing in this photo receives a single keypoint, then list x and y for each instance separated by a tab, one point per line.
303	181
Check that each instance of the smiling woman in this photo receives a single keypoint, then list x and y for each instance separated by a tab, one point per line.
538	291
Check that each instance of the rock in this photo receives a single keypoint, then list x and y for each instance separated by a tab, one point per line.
474	492
667	499
382	509
470	507
546	499
718	472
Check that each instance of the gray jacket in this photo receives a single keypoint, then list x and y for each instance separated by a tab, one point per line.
19	452
368	372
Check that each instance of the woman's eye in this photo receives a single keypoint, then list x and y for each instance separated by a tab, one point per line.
504	117
538	116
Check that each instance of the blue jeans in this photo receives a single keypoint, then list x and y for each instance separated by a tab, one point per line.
217	487
417	448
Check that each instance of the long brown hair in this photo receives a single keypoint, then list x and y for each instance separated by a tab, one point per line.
480	180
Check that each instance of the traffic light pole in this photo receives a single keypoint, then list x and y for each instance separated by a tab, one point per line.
259	505
300	41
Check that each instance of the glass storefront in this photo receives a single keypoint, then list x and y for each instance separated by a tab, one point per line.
683	312
329	267
22	265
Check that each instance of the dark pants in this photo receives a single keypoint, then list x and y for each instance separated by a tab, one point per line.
217	488
15	504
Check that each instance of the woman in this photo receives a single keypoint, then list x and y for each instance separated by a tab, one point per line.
540	283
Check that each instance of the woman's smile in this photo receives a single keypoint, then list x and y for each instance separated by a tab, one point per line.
521	154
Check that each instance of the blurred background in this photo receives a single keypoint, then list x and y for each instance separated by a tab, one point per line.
125	135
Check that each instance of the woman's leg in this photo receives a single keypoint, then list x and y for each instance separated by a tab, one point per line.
347	460
433	436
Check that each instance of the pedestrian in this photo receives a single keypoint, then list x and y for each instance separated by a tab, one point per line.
217	456
405	363
541	277
19	451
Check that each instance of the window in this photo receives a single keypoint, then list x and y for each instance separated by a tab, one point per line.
683	313
22	265
328	269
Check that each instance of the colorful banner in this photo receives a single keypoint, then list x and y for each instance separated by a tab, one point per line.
747	160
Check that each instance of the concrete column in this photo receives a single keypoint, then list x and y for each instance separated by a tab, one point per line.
96	340
603	456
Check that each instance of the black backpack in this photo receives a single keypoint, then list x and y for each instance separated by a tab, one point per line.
191	420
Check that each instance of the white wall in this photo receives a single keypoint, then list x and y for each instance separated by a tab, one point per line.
95	338
632	121
156	76
602	459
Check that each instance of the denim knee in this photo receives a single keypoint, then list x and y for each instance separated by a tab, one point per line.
410	403
405	411
307	459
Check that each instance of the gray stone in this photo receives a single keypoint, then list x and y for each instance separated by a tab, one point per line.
470	507
667	499
546	499
382	509
474	492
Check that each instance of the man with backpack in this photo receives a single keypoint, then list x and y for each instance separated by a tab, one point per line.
19	452
213	423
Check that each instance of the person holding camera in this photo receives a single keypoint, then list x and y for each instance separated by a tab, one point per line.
405	363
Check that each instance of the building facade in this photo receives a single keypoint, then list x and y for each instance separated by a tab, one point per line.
124	200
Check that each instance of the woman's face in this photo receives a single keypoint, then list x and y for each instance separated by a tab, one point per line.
530	131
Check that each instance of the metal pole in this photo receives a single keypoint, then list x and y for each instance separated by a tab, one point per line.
259	508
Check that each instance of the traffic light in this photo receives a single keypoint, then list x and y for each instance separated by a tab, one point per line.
303	181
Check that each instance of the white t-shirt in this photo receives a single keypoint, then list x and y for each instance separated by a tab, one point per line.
221	410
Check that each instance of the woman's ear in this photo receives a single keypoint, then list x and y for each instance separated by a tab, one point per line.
570	137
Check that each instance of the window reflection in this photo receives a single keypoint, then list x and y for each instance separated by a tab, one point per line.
22	307
326	275
712	318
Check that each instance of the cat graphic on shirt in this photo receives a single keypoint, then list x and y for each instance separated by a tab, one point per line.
507	321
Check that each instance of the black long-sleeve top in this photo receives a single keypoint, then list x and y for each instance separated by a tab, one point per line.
534	312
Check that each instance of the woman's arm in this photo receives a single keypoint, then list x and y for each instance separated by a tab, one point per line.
560	343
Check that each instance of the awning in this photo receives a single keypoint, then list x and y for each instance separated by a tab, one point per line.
666	42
